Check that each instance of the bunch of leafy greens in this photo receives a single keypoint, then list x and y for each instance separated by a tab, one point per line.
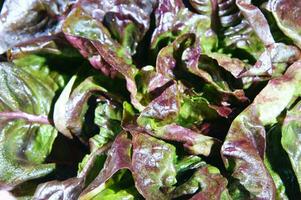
150	99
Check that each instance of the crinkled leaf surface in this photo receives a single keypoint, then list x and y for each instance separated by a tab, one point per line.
153	166
25	20
118	158
244	147
174	19
156	89
288	22
207	181
94	40
159	116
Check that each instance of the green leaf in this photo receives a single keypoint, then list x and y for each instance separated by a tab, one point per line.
278	164
119	187
291	140
108	119
26	134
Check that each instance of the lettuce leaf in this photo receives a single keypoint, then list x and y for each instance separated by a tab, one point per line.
290	138
244	146
23	21
288	22
150	99
26	131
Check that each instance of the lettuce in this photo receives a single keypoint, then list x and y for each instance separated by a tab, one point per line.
150	99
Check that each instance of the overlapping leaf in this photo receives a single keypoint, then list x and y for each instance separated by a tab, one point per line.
244	147
23	21
163	87
26	133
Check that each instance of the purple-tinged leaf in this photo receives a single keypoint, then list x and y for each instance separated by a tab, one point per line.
90	112
63	190
72	187
151	84
191	59
126	70
287	15
240	29
207	183
119	157
127	21
26	20
244	147
71	106
159	116
43	45
252	33
174	19
233	65
89	52
273	61
79	25
257	21
195	143
153	166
